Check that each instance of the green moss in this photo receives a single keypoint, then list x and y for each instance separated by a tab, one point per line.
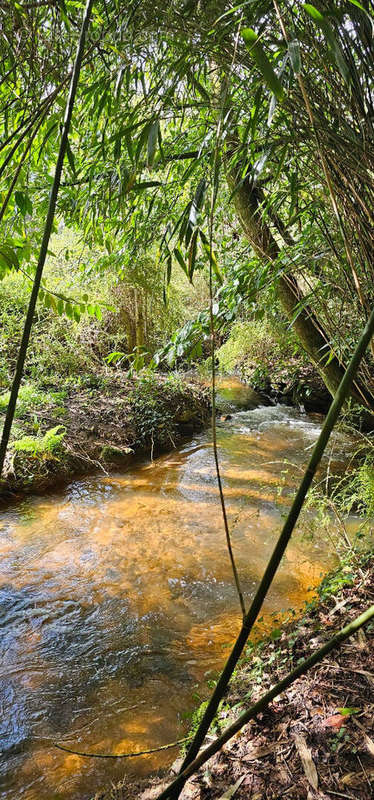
113	453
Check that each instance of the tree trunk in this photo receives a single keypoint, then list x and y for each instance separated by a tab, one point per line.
313	339
139	318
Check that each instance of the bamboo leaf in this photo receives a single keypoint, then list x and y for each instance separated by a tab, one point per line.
192	254
139	187
46	137
197	201
232	790
142	140
313	12
168	270
24	203
8	257
119	82
70	156
257	52
356	3
152	142
181	261
307	761
295	56
332	41
210	253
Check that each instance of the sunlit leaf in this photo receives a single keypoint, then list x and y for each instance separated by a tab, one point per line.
24	203
152	142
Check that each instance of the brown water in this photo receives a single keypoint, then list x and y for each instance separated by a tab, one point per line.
117	601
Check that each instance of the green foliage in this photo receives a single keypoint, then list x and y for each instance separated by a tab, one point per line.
41	446
354	493
253	343
153	415
257	52
30	397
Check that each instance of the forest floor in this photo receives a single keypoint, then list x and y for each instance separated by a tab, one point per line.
316	741
101	426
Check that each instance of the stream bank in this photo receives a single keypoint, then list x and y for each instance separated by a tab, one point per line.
316	740
102	426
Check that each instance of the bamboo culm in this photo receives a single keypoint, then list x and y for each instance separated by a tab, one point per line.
264	701
280	547
46	237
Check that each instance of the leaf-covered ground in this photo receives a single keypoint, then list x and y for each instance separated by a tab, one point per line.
316	741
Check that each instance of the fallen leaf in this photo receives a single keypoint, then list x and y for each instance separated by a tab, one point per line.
347	712
232	790
336	721
258	752
314	711
306	760
362	640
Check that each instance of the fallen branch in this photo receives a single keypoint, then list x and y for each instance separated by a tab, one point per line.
122	755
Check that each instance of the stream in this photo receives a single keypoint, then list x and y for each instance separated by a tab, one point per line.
117	599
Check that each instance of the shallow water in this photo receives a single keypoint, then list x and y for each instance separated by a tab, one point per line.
117	600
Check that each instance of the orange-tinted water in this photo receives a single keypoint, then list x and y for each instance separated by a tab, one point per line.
117	600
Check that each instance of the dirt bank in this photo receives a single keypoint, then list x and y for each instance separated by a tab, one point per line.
100	427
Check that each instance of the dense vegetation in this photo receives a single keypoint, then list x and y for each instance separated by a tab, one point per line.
194	154
163	123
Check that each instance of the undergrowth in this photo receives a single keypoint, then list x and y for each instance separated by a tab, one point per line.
41	446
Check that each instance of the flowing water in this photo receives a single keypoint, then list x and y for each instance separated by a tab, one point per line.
117	600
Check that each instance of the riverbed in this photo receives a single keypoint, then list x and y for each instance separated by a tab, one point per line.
117	599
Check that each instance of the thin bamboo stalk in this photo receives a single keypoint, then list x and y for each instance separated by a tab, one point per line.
46	236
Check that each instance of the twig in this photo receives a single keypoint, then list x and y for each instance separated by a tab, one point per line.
122	755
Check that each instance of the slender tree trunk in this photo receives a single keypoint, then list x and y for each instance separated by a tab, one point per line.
46	236
139	318
310	333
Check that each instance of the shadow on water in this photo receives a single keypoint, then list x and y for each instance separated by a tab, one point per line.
117	600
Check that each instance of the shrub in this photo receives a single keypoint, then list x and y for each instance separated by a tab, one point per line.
252	341
41	446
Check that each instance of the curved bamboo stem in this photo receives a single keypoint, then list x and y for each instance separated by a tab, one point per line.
46	236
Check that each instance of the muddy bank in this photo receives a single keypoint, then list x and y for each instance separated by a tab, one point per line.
101	427
317	739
